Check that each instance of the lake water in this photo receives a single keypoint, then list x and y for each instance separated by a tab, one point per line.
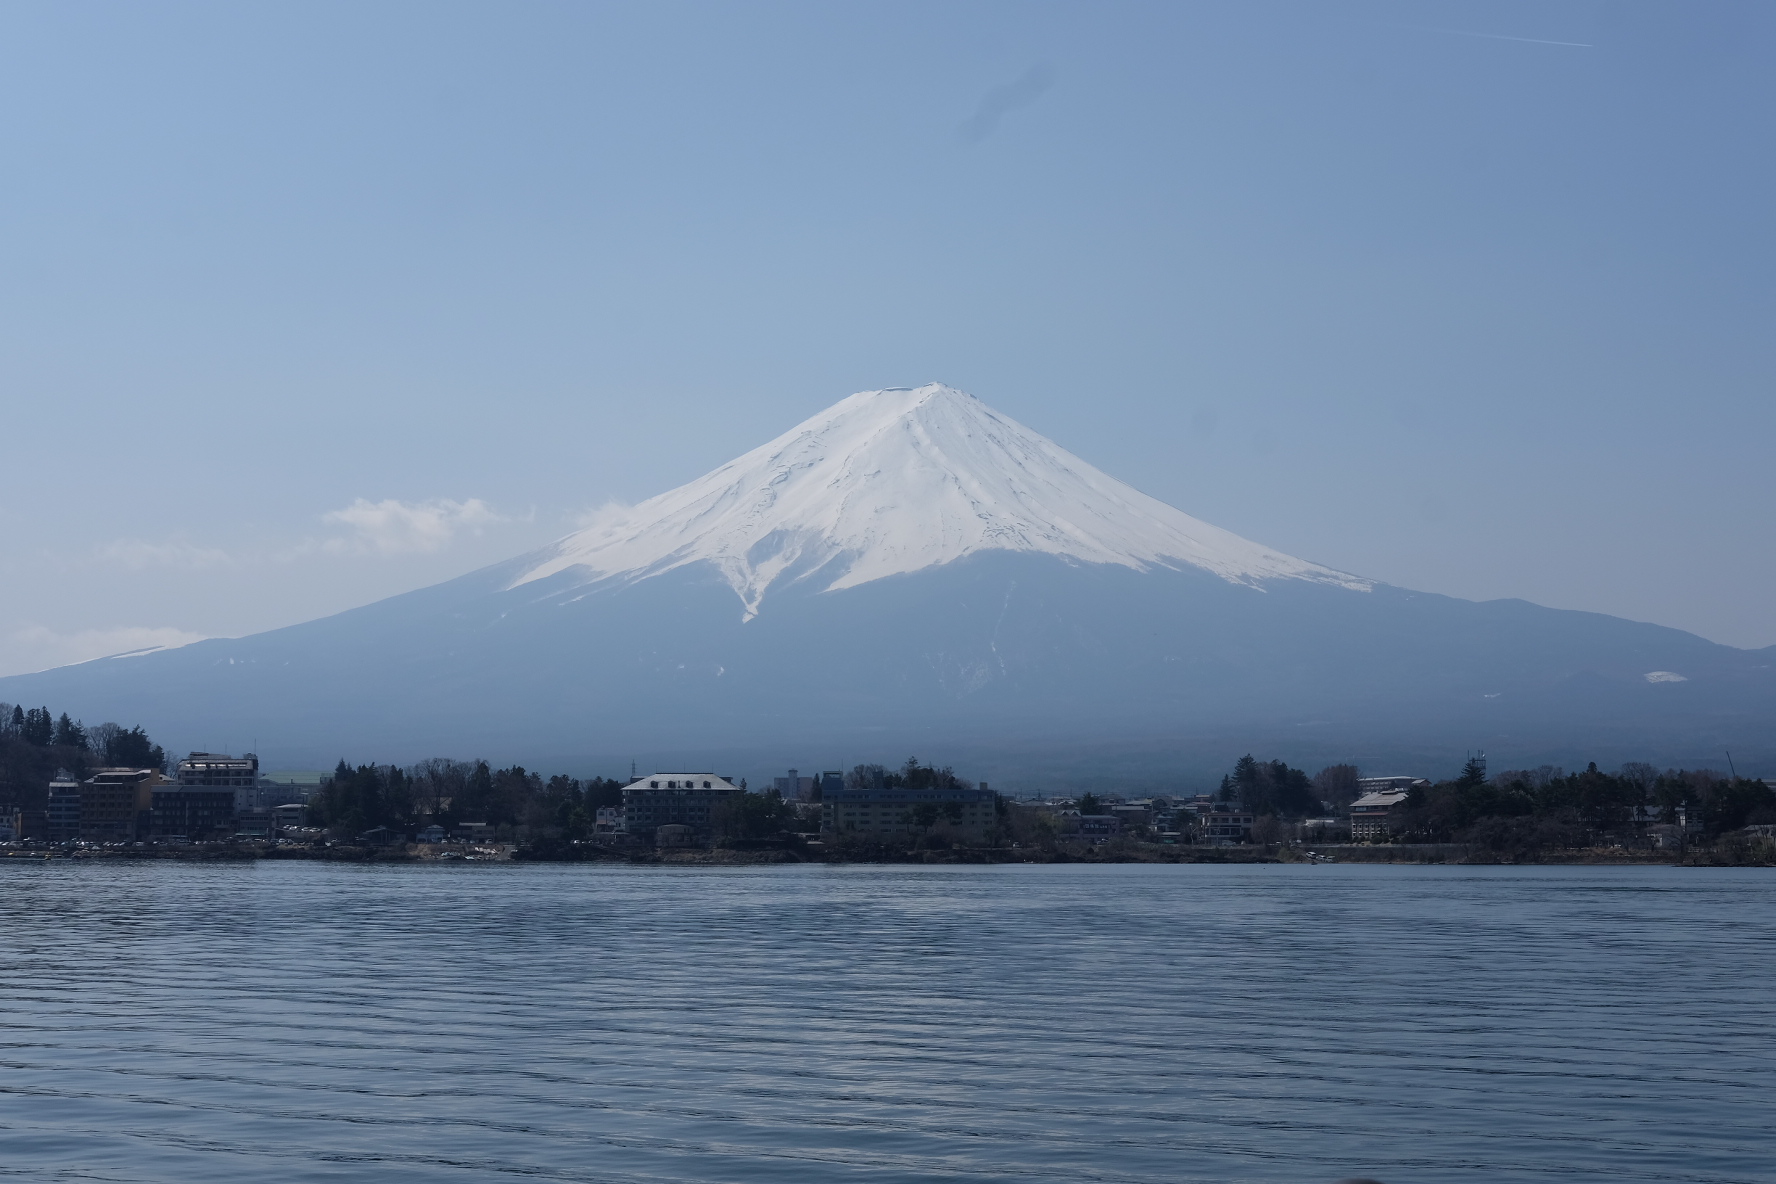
307	1022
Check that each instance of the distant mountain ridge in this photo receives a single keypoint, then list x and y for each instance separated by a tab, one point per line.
911	572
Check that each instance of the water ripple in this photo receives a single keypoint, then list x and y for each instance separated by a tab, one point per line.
1129	1025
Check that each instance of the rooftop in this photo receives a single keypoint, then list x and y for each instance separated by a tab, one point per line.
1382	798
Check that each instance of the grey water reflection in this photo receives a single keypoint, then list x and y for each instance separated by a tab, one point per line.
305	1022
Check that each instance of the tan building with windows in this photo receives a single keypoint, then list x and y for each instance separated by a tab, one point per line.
117	804
1369	813
1223	823
961	814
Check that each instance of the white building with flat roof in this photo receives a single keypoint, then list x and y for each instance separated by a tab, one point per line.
220	770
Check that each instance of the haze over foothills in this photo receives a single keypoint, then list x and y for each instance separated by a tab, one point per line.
1464	298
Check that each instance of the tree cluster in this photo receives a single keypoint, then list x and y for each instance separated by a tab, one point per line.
754	816
911	775
448	793
107	744
1272	788
1548	807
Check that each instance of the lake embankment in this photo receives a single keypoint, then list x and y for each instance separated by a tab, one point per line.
1727	853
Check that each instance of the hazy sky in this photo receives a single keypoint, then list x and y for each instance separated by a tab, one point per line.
303	305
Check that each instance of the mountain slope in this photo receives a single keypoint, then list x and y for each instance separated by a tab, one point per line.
910	572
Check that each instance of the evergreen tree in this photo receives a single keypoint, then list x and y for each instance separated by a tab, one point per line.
1270	787
601	792
38	727
132	750
68	733
1474	772
477	795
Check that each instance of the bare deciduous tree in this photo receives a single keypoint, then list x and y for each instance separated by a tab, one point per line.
1337	784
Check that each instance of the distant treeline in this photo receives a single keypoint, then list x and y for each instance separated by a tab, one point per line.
911	775
519	802
448	792
1550	807
104	744
1521	808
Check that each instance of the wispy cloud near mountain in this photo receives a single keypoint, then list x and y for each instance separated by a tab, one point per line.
392	527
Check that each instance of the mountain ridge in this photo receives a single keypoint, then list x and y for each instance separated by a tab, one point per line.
958	604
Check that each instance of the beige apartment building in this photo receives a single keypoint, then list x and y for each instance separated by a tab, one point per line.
963	814
116	804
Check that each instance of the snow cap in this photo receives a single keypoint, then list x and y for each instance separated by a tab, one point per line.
895	481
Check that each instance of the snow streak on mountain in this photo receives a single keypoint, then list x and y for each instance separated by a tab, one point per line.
895	481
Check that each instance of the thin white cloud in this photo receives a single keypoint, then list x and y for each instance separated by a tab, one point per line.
137	554
392	527
37	647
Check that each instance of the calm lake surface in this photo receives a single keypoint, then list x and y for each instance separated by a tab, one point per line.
296	1021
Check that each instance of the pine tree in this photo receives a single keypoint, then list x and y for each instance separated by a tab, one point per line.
132	750
68	733
38	727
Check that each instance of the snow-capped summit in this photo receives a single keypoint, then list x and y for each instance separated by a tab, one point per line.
895	481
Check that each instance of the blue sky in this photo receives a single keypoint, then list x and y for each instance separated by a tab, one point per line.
305	305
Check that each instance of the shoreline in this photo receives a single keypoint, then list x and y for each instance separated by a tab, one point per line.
507	853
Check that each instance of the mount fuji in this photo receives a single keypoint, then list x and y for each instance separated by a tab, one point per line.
911	571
